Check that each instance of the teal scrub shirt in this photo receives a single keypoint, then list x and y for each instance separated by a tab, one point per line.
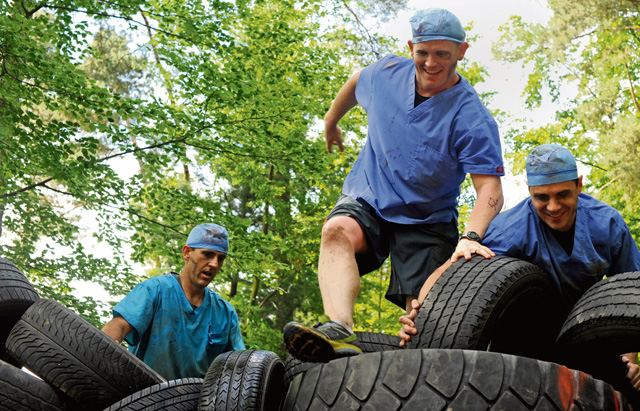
171	336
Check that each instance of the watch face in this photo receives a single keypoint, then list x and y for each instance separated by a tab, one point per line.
471	235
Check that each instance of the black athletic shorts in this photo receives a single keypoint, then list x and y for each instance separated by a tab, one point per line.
416	250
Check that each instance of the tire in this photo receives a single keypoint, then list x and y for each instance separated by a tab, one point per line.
247	380
606	317
16	295
500	304
604	323
376	342
439	379
175	395
367	341
20	391
77	358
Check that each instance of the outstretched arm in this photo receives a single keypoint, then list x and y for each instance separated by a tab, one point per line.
488	205
117	328
407	320
345	100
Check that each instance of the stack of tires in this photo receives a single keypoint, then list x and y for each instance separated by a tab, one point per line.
492	334
72	365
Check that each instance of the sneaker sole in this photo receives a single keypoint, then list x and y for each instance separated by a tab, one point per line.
308	345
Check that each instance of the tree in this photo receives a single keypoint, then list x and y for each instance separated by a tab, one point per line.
51	158
216	105
587	55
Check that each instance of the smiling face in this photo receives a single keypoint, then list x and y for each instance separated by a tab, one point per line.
202	265
556	204
436	62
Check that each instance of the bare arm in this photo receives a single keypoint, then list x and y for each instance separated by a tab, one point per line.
117	328
413	305
345	100
488	205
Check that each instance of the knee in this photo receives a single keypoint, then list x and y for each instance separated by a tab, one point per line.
342	229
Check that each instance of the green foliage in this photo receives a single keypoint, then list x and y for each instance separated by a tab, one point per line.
204	111
373	312
588	48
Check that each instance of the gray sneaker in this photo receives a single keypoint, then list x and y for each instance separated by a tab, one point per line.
321	343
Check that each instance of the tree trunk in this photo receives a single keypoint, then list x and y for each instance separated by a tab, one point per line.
1	217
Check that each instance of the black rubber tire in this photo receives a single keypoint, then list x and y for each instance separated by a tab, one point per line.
74	356
367	341
500	304
439	379
604	323
175	395
16	295
20	391
606	317
246	380
376	342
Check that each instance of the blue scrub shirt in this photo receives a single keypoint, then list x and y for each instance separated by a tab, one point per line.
415	159
602	245
171	336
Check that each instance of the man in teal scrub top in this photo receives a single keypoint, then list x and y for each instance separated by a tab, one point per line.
173	322
427	129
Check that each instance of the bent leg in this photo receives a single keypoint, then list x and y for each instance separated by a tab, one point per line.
338	275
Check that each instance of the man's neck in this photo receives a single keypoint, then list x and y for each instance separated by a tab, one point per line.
194	294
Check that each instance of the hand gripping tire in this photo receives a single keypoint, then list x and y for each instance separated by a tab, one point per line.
74	356
604	323
500	304
16	295
246	380
439	379
367	341
175	395
20	391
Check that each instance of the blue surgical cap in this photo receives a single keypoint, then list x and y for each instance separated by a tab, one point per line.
209	236
550	163
436	24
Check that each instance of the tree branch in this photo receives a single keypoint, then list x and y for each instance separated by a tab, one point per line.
233	153
27	188
264	301
592	165
29	13
138	149
1	217
633	94
366	32
634	28
92	13
165	74
127	210
610	182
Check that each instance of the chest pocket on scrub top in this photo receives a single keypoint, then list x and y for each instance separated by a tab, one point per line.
431	171
217	341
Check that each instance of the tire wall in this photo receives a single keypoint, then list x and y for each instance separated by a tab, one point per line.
502	304
448	379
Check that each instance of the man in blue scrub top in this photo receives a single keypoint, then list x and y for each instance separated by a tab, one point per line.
427	130
572	236
173	322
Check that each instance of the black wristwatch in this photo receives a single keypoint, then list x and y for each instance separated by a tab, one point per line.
471	235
